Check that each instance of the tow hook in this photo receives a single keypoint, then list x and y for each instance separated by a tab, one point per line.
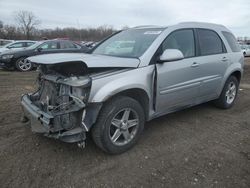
81	144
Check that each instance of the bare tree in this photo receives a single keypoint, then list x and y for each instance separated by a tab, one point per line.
10	32
27	22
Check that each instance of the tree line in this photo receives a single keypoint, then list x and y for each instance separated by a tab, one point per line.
26	28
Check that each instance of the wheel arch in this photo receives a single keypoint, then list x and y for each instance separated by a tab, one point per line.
237	74
137	94
93	110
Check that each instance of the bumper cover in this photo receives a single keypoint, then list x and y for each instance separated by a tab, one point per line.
6	63
41	122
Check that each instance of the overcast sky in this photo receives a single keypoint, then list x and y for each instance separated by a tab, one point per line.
235	14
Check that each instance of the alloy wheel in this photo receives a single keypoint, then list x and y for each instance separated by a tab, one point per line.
124	126
231	93
24	64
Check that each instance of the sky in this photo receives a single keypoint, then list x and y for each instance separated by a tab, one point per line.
234	14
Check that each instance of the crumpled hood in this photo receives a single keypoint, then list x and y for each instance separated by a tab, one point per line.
91	60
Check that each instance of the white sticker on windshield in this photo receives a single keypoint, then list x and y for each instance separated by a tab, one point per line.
152	32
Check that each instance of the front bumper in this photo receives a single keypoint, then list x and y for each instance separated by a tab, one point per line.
42	122
6	63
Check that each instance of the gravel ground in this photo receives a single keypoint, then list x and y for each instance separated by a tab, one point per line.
199	147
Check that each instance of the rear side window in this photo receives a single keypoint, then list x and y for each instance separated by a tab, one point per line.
49	45
231	40
29	44
182	40
68	45
210	42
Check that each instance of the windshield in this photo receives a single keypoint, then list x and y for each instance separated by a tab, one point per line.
128	43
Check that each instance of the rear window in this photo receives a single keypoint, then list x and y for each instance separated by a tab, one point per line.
235	47
210	42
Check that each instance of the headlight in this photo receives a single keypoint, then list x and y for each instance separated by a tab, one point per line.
7	56
81	93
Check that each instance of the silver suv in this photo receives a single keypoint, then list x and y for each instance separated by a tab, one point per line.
131	77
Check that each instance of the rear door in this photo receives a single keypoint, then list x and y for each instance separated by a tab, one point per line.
68	46
178	82
212	61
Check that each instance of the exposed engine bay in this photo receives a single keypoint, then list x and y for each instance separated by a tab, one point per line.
59	104
59	108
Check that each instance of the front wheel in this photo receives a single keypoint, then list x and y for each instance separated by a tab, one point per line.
23	65
228	94
119	125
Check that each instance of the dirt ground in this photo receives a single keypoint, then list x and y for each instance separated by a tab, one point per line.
198	147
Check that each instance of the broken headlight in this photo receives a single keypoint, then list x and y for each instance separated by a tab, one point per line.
81	93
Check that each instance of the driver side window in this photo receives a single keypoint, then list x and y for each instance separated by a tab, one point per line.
182	40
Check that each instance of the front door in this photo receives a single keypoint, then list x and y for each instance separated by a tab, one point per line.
178	82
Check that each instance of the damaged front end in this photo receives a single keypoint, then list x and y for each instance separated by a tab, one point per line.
58	108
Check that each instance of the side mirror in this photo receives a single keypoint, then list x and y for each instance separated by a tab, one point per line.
39	49
171	55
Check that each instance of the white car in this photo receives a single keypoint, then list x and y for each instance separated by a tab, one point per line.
245	49
17	45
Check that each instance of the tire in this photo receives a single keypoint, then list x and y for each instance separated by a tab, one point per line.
244	53
23	65
117	137
228	94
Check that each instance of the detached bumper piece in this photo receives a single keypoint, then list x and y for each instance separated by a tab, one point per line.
64	125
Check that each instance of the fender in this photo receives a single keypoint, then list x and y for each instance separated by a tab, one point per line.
104	88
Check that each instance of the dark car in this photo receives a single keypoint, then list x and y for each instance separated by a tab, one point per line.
16	59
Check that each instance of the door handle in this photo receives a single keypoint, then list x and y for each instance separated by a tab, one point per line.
195	64
224	59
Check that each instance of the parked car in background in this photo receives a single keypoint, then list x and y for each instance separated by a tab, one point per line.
89	44
4	42
245	49
94	44
112	93
17	45
17	58
83	42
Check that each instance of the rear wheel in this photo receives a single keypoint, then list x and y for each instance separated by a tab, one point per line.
22	64
119	125
228	94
